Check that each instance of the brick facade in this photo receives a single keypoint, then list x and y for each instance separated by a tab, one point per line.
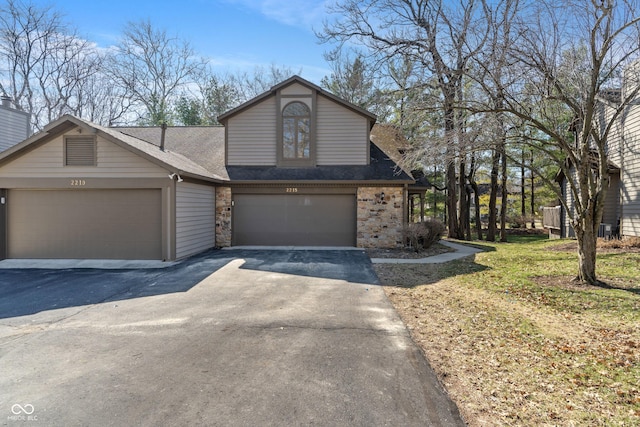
223	217
379	222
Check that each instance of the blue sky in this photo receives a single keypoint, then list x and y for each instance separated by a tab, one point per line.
236	35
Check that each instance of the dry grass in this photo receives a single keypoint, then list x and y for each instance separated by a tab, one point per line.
515	342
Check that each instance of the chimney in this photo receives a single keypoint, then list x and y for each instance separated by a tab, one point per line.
163	126
6	100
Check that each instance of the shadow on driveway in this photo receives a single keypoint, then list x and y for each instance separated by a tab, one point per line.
29	291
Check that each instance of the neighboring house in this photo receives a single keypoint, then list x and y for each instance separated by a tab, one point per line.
621	214
14	124
294	166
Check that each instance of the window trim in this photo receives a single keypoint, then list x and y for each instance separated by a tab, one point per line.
282	101
94	143
297	120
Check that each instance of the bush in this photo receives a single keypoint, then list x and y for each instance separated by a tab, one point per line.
520	221
422	235
625	243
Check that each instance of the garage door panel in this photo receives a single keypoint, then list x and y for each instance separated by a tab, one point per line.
300	220
85	224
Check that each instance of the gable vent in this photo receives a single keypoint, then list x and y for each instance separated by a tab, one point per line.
80	151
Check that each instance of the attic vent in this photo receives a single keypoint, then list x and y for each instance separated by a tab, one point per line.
80	151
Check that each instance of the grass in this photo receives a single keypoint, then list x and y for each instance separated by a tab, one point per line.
516	342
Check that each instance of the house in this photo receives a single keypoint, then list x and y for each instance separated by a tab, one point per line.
14	124
293	166
621	214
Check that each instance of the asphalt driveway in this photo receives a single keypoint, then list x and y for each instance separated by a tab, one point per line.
226	338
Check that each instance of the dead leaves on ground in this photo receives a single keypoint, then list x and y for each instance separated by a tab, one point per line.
506	360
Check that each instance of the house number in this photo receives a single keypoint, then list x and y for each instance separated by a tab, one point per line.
292	190
78	182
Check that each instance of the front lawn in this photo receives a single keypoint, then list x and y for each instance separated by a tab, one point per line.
515	342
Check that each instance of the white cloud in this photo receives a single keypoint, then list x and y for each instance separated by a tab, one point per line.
297	13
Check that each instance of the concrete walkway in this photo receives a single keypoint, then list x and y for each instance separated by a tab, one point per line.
461	251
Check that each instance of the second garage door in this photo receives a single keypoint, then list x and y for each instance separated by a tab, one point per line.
294	219
85	224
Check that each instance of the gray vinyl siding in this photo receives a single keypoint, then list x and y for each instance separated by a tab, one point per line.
611	213
342	135
630	175
195	219
251	136
14	127
47	161
568	229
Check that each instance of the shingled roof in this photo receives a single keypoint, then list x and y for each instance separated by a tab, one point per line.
202	144
380	168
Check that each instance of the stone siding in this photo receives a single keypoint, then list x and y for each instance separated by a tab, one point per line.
380	221
223	217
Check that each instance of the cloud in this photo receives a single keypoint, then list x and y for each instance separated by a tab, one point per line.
298	13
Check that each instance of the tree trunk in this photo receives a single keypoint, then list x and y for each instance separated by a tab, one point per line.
586	255
452	216
523	204
533	189
505	196
493	195
476	199
463	206
452	191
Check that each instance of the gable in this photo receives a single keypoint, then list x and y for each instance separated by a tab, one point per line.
48	161
338	131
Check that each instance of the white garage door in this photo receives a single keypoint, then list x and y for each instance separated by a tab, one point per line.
84	224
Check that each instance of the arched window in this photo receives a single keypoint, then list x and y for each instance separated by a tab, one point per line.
296	129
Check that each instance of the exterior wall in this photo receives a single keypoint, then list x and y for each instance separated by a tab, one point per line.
379	224
567	230
251	136
47	161
14	127
195	219
342	135
223	216
611	213
630	173
43	168
296	89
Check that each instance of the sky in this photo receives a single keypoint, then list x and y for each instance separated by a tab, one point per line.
235	35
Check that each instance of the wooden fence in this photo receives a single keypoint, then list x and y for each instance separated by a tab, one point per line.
551	220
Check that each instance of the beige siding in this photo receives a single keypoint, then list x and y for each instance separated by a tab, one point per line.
296	89
47	161
251	136
630	176
342	137
195	219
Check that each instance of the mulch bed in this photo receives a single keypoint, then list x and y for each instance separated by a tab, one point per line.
409	253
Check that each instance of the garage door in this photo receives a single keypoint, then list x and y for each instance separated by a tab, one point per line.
85	224
299	220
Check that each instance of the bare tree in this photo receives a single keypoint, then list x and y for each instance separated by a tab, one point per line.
569	57
42	60
442	37
152	67
261	79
